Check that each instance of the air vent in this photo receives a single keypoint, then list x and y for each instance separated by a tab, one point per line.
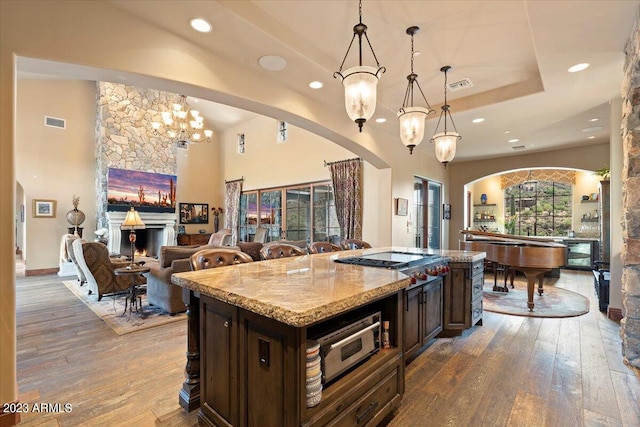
518	147
460	85
55	122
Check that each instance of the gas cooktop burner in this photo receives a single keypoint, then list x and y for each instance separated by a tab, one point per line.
391	259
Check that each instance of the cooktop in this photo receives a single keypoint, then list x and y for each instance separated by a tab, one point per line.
390	259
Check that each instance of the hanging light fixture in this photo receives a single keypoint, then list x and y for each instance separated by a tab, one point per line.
182	125
360	82
445	142
412	119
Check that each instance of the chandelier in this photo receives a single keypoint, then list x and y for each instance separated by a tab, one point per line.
360	82
445	142
182	125
412	119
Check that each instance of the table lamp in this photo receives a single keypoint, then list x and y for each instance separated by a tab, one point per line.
132	222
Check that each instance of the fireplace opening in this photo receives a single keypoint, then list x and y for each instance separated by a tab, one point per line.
148	242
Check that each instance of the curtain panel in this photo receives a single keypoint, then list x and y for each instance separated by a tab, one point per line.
346	176
232	208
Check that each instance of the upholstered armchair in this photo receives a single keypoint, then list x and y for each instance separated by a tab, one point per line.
98	269
261	235
69	239
280	250
221	238
348	244
218	257
322	247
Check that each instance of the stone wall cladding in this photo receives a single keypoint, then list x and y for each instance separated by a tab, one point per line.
630	324
124	135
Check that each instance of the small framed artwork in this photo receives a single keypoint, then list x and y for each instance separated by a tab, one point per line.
283	131
240	140
44	208
446	211
194	213
181	229
402	206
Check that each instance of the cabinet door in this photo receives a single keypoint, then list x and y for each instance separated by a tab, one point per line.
219	369
457	297
432	305
412	320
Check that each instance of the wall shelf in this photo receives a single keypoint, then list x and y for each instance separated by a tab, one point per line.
486	204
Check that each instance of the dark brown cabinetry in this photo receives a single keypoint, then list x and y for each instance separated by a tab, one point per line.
422	315
462	297
193	239
253	370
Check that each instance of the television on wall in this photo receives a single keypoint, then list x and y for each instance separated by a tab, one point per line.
145	191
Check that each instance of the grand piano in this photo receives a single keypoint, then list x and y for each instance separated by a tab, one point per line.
532	256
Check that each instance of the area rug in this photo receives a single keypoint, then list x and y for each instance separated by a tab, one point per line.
110	310
554	302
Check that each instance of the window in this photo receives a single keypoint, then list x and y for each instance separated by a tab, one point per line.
427	200
304	212
538	208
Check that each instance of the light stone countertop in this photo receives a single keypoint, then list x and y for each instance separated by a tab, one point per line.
300	291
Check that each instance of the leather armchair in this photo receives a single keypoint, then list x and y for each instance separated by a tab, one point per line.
98	268
280	250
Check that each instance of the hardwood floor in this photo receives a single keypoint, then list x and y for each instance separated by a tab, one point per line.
512	371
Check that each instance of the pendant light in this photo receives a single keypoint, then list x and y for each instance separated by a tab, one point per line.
445	142
413	119
360	82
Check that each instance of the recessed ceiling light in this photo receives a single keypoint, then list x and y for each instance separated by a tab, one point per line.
200	25
478	120
595	119
591	137
316	84
272	62
507	131
578	67
513	140
592	129
381	120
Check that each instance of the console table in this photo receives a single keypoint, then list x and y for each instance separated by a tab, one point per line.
193	239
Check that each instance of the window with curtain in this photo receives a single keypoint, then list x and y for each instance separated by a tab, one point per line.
296	212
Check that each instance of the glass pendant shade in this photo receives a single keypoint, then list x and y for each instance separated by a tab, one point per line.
360	84
445	145
412	125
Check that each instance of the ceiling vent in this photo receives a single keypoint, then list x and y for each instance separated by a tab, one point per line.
518	147
460	85
53	122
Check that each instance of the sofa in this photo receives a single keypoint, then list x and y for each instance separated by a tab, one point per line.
175	259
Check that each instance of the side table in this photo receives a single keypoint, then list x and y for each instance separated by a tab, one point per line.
133	299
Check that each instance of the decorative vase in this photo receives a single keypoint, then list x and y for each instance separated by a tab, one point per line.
75	217
216	223
483	199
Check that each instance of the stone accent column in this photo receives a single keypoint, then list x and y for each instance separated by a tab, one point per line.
630	323
124	135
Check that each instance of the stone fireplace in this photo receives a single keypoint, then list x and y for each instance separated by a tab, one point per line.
159	231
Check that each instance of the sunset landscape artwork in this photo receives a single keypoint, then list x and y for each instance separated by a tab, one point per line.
146	191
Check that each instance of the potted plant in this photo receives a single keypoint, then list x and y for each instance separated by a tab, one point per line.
604	173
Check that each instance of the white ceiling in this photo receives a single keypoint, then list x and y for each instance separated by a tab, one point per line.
516	53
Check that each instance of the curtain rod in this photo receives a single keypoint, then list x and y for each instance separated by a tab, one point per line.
341	161
234	180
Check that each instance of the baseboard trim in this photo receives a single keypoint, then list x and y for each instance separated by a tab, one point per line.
41	272
9	419
614	314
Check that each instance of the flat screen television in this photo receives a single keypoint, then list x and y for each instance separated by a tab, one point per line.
145	191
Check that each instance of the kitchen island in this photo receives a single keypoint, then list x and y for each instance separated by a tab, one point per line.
253	322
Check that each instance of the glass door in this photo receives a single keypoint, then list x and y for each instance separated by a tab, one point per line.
427	201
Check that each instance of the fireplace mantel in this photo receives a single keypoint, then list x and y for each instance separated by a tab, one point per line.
166	221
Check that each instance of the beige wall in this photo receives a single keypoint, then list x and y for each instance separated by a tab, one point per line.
55	164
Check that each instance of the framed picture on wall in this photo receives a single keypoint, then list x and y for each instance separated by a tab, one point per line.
402	206
446	211
44	208
194	213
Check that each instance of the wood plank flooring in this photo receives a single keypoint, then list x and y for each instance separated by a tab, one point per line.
512	371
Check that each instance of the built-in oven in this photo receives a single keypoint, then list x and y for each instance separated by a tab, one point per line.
346	347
